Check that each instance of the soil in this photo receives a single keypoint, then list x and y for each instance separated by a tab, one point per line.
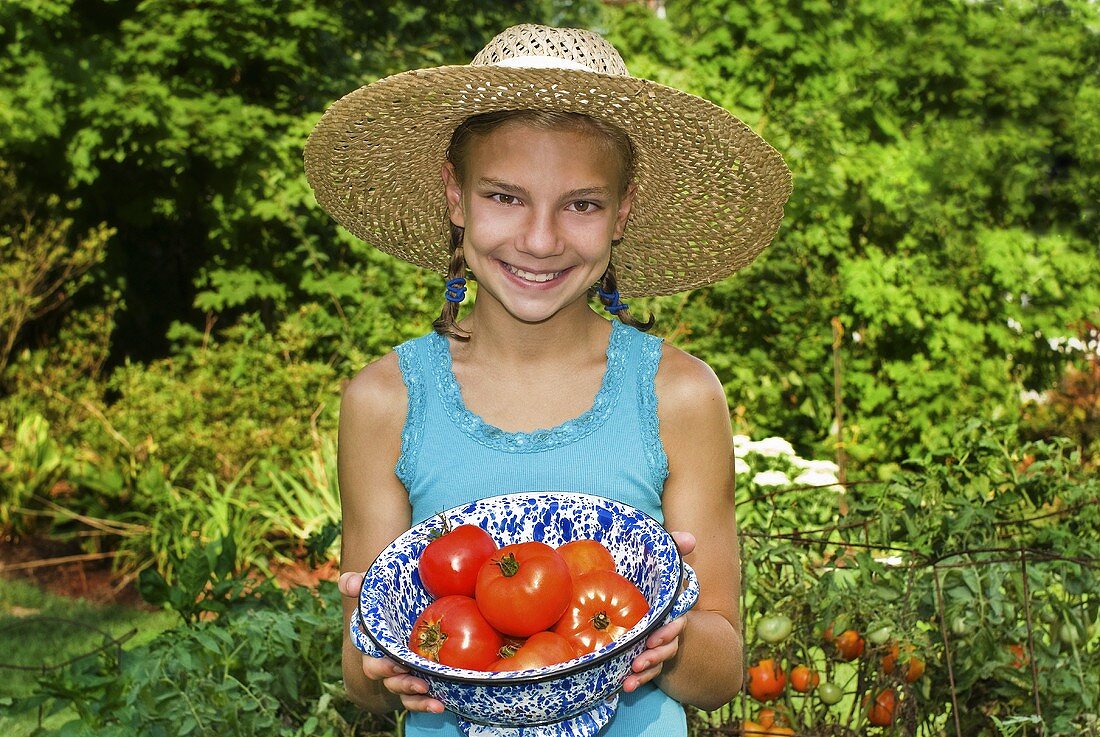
33	560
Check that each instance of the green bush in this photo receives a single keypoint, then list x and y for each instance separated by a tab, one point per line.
272	670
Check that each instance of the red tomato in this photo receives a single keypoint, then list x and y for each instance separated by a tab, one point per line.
523	588
540	650
849	645
881	711
583	556
449	564
605	605
453	632
804	679
766	680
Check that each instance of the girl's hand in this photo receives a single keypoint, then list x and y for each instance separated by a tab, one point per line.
411	690
665	641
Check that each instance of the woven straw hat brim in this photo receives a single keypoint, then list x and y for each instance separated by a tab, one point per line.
710	192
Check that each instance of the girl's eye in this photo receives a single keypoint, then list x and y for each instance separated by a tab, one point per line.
585	206
504	199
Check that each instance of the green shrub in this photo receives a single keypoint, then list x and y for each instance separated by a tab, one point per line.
272	670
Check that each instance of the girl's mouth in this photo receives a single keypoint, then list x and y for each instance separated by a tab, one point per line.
530	276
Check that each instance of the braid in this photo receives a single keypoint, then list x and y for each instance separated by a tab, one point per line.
609	284
447	322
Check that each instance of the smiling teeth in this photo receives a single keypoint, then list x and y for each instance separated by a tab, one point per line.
528	276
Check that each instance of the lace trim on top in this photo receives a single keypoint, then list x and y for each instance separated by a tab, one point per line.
647	410
540	440
413	431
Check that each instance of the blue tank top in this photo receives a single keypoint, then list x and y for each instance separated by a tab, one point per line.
450	456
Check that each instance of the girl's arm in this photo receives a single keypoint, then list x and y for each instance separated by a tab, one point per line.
704	663
375	510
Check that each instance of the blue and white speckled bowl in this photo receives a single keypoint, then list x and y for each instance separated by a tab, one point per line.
573	699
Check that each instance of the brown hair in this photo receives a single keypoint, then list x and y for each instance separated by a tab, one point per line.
617	143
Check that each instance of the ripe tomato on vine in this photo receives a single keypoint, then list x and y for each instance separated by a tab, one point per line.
880	712
766	680
914	666
849	645
804	679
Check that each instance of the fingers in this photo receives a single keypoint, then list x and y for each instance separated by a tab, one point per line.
377	669
666	633
397	679
685	541
661	646
350	583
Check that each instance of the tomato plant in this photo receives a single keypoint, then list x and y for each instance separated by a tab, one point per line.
750	728
880	712
450	563
766	680
879	635
453	632
583	556
914	666
849	645
604	606
774	629
830	693
804	679
538	651
524	588
767	717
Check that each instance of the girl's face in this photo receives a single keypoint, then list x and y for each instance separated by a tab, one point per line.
540	209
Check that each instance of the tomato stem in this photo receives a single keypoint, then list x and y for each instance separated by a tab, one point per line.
601	621
508	565
430	639
438	533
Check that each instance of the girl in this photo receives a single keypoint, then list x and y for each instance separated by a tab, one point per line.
543	171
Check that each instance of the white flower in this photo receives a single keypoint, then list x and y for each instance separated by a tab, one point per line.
1032	397
815	478
857	337
771	478
771	447
1015	325
740	467
741	440
891	560
823	466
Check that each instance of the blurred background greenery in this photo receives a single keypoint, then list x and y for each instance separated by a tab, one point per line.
177	316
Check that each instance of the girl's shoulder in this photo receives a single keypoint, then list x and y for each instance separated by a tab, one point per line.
377	392
686	386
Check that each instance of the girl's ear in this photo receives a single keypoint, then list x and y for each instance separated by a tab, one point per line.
453	189
624	210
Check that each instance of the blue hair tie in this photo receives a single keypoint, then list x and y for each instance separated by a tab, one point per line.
613	297
456	290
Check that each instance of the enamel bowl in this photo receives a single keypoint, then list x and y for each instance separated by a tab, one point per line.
572	699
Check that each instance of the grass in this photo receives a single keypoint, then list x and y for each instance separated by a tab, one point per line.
39	631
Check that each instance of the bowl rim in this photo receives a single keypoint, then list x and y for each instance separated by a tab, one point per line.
552	672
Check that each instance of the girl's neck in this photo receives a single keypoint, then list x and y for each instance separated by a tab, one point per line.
496	336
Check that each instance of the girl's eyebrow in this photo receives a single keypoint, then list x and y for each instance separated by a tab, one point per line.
574	194
586	193
502	186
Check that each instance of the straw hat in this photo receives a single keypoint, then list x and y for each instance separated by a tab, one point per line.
710	192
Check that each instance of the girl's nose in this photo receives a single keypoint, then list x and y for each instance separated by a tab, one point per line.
540	238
